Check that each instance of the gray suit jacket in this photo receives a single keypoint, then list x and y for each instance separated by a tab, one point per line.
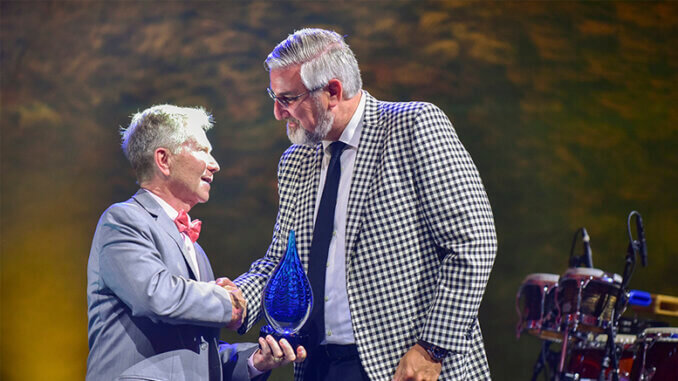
420	239
149	319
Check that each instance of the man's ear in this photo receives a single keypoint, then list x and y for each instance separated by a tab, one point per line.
163	159
336	90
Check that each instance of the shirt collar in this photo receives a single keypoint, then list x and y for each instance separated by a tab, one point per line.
351	134
171	212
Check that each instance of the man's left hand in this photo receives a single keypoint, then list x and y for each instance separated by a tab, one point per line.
417	365
272	354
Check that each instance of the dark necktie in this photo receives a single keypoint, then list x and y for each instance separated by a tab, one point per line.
322	235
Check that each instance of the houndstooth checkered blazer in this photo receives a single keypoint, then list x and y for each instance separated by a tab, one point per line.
420	239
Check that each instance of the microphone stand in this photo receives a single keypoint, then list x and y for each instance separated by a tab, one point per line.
612	353
586	259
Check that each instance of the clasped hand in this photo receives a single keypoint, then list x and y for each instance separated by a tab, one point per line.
238	303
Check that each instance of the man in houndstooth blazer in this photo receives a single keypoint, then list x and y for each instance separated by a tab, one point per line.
417	237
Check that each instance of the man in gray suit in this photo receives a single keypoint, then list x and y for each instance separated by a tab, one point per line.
154	307
391	218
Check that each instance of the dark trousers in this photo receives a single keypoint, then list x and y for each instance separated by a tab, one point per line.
334	362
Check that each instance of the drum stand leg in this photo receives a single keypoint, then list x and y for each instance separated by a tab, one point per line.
611	359
563	354
546	358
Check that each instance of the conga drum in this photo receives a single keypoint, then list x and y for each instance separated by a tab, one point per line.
586	297
656	355
587	356
535	304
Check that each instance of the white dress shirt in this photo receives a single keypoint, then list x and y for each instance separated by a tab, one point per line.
338	328
188	244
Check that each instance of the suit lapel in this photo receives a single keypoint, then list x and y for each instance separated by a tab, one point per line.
166	224
367	159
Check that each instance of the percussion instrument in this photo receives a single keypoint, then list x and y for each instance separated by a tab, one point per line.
586	297
656	355
587	356
535	304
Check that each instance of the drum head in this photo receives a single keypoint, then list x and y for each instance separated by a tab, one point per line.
584	272
544	278
663	334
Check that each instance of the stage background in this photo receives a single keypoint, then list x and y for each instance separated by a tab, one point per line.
568	109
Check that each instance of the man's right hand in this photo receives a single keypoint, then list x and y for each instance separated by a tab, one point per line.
238	303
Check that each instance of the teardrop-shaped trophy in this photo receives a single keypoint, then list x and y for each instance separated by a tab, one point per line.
287	299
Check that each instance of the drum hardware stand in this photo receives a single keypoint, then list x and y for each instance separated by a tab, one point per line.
643	371
563	353
612	353
547	358
545	355
570	327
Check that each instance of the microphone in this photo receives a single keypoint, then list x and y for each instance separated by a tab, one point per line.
641	239
588	255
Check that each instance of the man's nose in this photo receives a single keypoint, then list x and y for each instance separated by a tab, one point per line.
212	165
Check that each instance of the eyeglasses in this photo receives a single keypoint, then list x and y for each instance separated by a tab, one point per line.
286	101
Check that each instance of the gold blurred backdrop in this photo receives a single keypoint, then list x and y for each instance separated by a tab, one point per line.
568	109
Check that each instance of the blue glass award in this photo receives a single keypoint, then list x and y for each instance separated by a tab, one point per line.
287	299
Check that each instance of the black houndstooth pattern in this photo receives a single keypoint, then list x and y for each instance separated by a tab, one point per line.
420	239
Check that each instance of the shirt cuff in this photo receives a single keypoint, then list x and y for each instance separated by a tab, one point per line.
254	372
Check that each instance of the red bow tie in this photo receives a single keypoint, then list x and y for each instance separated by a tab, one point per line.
192	228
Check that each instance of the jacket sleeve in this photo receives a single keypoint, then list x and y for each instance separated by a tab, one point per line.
457	213
133	268
234	358
252	282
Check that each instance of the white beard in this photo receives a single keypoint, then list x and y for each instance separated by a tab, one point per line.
300	135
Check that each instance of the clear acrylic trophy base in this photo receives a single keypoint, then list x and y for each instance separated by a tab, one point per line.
295	339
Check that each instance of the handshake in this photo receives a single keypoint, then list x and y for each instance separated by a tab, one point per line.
238	303
271	354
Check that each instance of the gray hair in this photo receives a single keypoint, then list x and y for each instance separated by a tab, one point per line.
159	126
323	55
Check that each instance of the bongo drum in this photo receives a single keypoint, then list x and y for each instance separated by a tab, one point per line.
586	297
535	304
